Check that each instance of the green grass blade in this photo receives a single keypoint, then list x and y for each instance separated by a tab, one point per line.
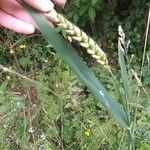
80	69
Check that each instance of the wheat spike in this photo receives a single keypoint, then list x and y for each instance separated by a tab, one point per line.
80	36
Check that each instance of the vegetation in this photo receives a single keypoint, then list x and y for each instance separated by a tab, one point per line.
44	106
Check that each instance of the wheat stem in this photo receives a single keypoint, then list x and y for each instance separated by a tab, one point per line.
80	36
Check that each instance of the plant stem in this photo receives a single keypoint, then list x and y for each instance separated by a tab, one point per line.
142	66
36	83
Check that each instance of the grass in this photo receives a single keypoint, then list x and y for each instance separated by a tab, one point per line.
55	110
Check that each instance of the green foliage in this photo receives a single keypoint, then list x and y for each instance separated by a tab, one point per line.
83	9
100	19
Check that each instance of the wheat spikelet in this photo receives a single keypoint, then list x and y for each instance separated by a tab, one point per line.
80	36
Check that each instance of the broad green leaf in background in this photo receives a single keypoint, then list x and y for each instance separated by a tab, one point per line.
80	68
75	18
94	2
83	10
92	13
77	2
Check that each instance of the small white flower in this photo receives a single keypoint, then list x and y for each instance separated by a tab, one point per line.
41	147
42	136
18	103
8	77
31	130
46	61
5	125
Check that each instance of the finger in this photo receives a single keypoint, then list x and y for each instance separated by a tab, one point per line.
13	8
60	1
15	24
42	5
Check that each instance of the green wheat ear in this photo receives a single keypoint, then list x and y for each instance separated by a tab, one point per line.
81	37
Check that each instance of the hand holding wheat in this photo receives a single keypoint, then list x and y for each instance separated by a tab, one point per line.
15	17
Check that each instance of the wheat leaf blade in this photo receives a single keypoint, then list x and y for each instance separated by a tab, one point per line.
80	69
124	74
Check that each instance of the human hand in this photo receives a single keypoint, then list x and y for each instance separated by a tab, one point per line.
14	17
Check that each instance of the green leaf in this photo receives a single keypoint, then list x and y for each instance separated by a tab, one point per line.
83	10
3	86
24	61
148	4
92	13
94	2
124	77
75	18
80	68
3	108
76	3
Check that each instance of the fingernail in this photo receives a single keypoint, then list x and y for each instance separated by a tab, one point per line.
61	2
47	5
